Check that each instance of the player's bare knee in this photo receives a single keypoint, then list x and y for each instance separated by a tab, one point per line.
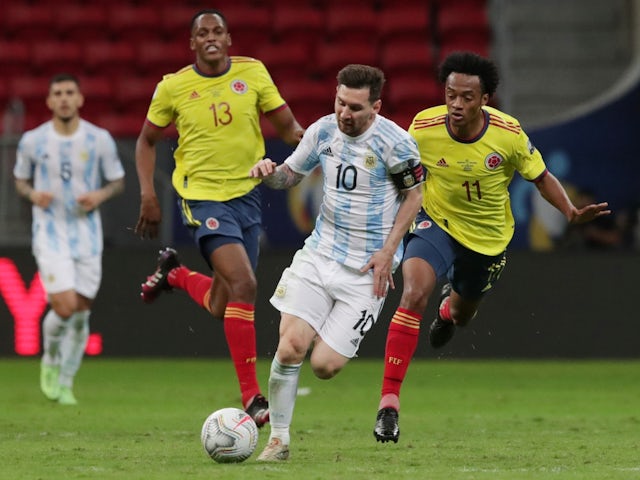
291	351
63	310
325	371
414	298
245	288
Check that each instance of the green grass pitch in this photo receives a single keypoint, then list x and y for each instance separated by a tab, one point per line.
141	419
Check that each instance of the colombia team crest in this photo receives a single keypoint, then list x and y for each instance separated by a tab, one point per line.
493	161
424	224
212	223
239	86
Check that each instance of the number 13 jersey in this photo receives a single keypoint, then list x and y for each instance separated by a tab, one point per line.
218	120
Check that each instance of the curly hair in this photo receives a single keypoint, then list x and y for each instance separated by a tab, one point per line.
470	63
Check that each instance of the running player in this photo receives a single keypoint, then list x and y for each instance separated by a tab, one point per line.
332	293
215	105
60	167
471	152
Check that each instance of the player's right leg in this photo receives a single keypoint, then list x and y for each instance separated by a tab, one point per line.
57	274
428	254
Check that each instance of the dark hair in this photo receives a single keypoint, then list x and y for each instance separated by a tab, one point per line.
64	77
208	11
470	63
363	76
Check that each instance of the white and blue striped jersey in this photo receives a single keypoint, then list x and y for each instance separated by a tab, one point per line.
67	166
360	200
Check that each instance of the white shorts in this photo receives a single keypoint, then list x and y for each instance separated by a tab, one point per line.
59	274
337	301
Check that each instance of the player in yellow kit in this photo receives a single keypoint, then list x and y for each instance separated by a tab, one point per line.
471	152
215	105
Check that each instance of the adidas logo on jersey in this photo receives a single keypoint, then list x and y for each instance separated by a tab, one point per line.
327	151
442	163
194	95
355	342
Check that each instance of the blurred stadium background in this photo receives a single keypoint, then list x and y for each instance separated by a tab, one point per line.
569	72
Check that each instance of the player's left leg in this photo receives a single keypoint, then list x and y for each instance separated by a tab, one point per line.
72	353
471	277
296	336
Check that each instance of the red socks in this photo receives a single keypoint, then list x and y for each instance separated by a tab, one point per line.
402	340
195	284
239	327
240	332
444	310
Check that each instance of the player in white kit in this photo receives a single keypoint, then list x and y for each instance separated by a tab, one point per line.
332	293
60	168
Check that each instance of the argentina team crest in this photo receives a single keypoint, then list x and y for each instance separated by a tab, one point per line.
239	86
370	160
493	161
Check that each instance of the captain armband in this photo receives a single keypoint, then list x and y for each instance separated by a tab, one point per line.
408	177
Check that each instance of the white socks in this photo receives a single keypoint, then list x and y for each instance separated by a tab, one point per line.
283	388
73	345
53	328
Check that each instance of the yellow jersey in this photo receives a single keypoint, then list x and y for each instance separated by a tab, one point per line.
218	122
466	189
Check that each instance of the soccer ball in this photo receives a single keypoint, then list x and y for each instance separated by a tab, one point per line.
229	435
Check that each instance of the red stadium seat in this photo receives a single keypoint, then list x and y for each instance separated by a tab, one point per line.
33	91
120	125
98	96
176	21
160	58
408	96
300	25
53	57
463	22
331	57
24	21
361	4
407	57
405	22
114	57
81	22
15	57
249	26
385	4
133	94
354	23
308	99
285	60
134	23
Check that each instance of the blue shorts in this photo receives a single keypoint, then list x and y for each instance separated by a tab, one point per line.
214	224
470	273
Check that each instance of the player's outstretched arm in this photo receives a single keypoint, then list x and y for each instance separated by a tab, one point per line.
554	193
